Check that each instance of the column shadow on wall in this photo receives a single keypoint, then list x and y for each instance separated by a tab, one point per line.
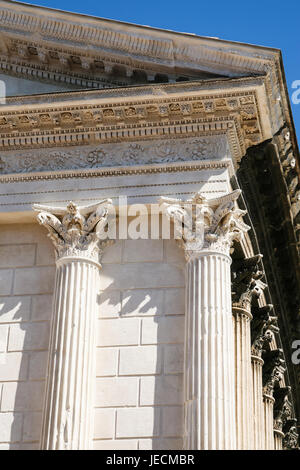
23	406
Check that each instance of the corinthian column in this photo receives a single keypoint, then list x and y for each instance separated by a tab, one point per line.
259	338
207	229
281	409
273	370
68	407
245	287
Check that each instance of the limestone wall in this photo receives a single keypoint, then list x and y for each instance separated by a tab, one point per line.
138	401
27	275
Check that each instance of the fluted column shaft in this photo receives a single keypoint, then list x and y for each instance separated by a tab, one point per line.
268	403
206	230
209	357
68	412
243	378
258	407
69	406
278	437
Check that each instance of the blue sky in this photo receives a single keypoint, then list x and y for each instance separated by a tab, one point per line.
273	23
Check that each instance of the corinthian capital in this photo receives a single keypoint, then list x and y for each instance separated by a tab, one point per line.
273	369
75	231
206	224
246	281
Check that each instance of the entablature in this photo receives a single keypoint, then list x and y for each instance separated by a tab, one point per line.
237	109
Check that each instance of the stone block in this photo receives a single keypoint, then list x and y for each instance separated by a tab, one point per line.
38	365
106	361
141	360
162	390
161	444
174	301
173	358
41	307
3	337
141	275
15	367
118	444
163	330
45	255
142	250
6	280
122	331
138	422
109	304
14	309
22	396
32	426
21	233
143	302
104	427
172	421
37	280
10	427
173	252
117	391
113	253
17	255
28	336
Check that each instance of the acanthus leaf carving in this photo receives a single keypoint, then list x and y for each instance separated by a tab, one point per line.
260	332
291	437
109	155
76	231
273	369
281	406
246	281
206	224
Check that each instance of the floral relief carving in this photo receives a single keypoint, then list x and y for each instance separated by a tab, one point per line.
206	224
109	155
75	231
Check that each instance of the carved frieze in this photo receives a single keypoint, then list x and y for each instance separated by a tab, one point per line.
110	155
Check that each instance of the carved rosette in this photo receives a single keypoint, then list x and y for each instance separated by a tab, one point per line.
206	225
76	231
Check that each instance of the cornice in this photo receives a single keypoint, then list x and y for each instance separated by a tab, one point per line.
141	113
69	48
164	47
41	43
141	91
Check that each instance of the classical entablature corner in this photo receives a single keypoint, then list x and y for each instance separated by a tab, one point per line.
154	115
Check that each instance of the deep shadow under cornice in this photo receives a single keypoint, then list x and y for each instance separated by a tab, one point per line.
208	85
